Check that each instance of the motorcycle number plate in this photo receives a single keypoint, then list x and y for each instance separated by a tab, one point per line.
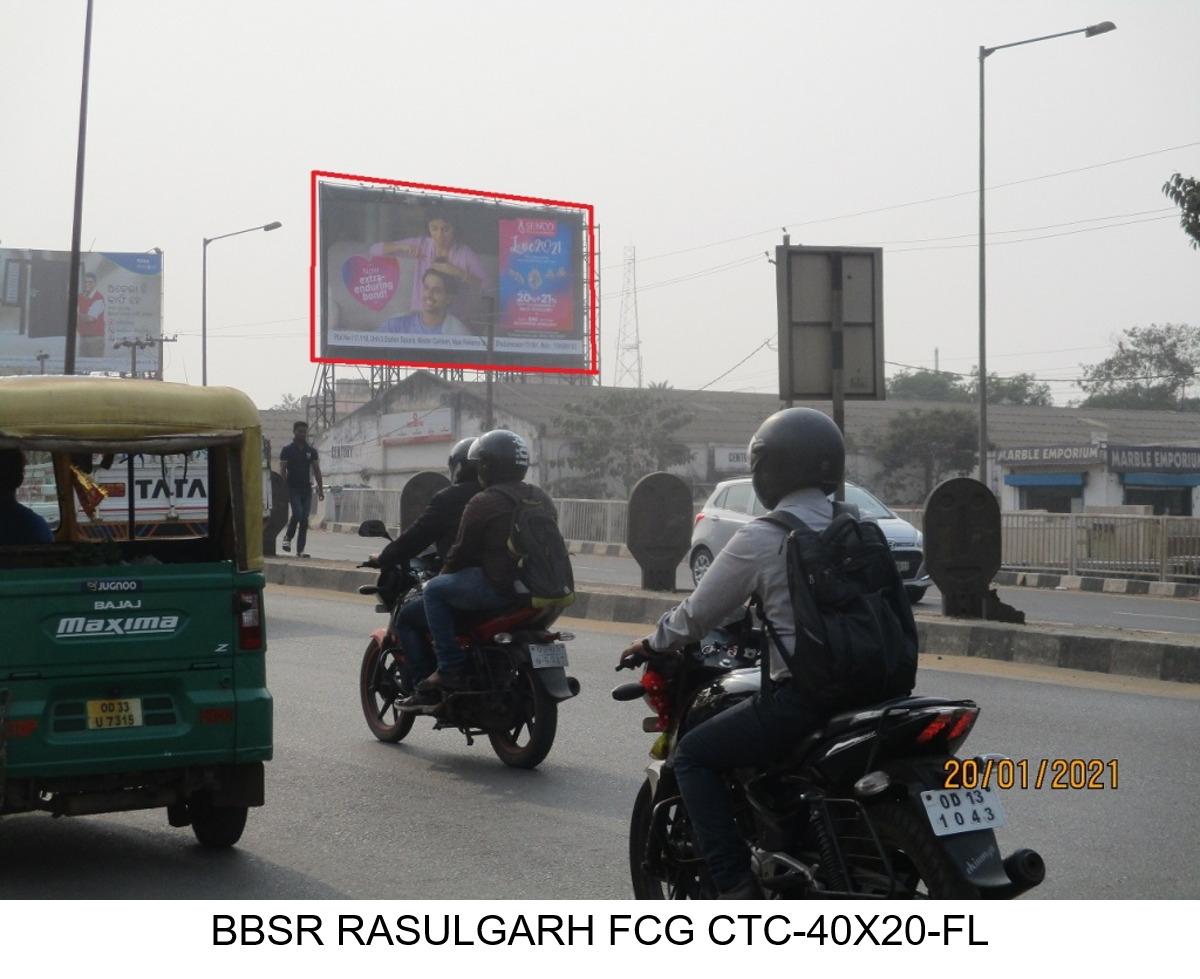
953	811
548	654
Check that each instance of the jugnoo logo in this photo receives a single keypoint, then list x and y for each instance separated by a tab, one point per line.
96	586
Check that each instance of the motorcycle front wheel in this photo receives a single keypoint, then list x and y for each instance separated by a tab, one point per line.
921	868
534	722
679	872
379	684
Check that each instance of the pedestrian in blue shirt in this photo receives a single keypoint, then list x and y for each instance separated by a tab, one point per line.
300	466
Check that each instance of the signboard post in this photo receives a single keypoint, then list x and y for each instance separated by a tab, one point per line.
830	303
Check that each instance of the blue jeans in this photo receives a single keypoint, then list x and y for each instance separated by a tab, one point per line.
301	504
410	626
467	589
757	730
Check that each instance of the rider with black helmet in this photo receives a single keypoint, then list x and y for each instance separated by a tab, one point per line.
436	526
797	457
479	572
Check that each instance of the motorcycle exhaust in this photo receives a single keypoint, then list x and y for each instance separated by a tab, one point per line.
1025	868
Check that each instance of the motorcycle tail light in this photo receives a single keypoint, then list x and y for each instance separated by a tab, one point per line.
962	727
948	725
562	636
503	638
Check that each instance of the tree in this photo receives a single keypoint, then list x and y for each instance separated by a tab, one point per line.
618	437
940	443
1186	194
923	385
289	402
1151	369
1020	389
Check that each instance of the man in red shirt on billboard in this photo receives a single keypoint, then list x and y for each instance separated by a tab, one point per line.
91	319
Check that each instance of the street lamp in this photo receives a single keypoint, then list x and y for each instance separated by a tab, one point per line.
1092	31
204	293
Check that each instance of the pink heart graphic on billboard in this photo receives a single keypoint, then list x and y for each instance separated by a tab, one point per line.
372	281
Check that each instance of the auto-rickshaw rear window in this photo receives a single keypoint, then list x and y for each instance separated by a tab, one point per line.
114	503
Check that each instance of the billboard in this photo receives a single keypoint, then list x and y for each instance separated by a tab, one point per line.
423	276
119	296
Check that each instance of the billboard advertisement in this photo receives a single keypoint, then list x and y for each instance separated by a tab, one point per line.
417	275
119	317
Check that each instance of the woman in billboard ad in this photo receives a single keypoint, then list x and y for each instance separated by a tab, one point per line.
439	250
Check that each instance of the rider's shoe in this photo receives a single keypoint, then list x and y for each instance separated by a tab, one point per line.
443	680
748	890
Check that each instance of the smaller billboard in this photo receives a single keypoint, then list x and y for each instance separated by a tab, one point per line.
119	311
423	276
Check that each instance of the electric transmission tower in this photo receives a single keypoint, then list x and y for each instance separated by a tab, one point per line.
629	345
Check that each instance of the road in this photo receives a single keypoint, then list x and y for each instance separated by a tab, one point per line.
349	817
1039	605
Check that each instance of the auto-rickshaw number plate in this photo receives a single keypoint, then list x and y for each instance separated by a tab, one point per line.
963	810
104	715
550	654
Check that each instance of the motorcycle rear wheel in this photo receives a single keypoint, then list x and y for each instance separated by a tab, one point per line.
678	881
527	743
921	867
379	683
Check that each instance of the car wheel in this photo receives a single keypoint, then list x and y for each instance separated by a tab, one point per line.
915	594
700	563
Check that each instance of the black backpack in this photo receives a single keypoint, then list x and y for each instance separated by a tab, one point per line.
543	565
856	640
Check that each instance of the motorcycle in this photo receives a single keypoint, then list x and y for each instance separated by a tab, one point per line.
516	667
873	805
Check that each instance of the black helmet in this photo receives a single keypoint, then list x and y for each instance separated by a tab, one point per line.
794	448
502	456
462	466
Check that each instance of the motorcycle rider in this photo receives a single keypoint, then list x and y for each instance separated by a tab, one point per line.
436	526
480	572
797	458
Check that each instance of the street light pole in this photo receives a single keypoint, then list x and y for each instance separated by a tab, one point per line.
204	292
1092	31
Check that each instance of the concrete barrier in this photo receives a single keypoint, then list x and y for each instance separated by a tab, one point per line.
1158	656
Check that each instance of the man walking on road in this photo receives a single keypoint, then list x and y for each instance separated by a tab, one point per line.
300	466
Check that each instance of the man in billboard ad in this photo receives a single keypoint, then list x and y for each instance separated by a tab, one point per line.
416	278
119	301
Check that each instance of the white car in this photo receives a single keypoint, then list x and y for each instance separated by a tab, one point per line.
734	503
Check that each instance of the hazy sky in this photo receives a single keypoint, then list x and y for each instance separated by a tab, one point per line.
698	130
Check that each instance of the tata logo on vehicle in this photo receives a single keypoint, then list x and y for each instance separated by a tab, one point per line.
87	627
95	586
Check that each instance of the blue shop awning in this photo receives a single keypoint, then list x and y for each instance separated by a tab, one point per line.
1161	479
1045	479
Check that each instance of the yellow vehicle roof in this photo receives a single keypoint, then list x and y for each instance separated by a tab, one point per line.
50	412
115	408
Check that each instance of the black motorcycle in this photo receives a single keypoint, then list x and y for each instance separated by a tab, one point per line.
873	805
516	668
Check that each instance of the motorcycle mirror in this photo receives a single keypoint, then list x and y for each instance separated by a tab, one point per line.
373	528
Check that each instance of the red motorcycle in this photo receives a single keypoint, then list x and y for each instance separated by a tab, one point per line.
516	667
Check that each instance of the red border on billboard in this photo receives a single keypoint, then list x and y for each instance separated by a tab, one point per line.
587	209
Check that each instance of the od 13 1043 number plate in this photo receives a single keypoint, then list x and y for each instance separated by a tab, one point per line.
963	810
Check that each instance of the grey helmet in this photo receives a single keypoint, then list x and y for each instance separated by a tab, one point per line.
502	456
462	467
795	448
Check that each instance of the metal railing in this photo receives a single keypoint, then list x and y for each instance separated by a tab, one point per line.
1087	544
